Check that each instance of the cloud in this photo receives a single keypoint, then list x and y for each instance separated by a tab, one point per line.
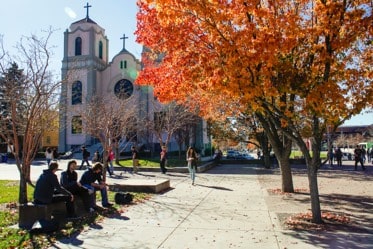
70	12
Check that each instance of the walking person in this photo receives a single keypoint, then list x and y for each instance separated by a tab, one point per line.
85	157
163	160
338	156
48	190
110	159
358	154
191	157
48	155
135	159
69	180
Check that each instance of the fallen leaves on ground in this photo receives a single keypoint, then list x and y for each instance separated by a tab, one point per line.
303	221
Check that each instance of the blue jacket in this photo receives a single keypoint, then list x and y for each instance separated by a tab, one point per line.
90	177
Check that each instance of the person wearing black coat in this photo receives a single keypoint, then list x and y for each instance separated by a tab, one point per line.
69	180
48	190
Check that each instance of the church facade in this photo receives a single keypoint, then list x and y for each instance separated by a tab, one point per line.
87	72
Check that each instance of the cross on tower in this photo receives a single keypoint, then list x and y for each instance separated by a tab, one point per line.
87	7
124	37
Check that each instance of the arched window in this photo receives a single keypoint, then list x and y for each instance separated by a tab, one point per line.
76	125
100	49
78	46
76	93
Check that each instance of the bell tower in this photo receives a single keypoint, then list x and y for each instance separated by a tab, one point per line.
85	57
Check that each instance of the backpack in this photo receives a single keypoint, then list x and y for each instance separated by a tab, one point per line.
123	198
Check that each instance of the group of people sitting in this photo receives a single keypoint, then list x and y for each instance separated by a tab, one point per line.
49	190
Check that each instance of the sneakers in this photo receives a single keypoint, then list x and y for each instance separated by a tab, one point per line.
107	205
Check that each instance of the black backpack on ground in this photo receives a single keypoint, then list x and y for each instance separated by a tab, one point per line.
123	198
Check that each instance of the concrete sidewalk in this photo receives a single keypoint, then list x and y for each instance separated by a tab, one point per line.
227	208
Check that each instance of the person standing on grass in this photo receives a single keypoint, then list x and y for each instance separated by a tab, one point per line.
48	190
135	159
191	157
163	160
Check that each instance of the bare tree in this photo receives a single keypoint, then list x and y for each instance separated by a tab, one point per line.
168	119
29	98
109	120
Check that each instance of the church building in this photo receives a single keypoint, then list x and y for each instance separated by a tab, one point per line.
88	72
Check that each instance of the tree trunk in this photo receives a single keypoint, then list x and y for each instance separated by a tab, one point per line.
314	191
22	198
286	175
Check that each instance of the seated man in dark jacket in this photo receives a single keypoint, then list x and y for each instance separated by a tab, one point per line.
69	180
48	190
92	179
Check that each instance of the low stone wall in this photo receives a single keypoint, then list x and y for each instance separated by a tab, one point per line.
30	213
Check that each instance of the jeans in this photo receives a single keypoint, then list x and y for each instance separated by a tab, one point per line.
104	196
192	170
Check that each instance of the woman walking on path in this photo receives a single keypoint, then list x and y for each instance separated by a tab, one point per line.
191	157
163	160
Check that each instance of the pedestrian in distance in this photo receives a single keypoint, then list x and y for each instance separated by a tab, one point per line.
163	160
69	180
48	155
56	156
192	157
96	157
48	190
135	159
331	157
338	156
92	179
85	157
358	154
110	159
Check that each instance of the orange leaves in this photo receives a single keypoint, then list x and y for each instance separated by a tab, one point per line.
249	52
303	221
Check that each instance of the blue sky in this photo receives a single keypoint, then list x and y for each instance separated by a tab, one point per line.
25	17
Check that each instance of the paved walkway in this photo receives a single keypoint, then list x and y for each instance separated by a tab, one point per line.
227	208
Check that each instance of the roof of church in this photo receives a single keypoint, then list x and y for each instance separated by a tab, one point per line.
84	20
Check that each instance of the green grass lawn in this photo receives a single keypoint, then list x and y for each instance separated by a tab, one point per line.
154	162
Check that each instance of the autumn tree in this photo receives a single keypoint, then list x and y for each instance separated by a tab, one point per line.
305	65
29	101
109	120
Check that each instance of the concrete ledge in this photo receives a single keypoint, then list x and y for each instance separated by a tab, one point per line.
31	213
141	185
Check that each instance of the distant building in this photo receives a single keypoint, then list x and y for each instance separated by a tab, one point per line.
86	62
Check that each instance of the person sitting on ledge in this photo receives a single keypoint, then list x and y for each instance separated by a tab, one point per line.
92	179
69	180
48	190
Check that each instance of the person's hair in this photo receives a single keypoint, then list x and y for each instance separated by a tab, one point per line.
49	150
69	163
190	150
53	166
97	166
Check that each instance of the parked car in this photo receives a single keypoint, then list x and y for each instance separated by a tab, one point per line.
231	154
